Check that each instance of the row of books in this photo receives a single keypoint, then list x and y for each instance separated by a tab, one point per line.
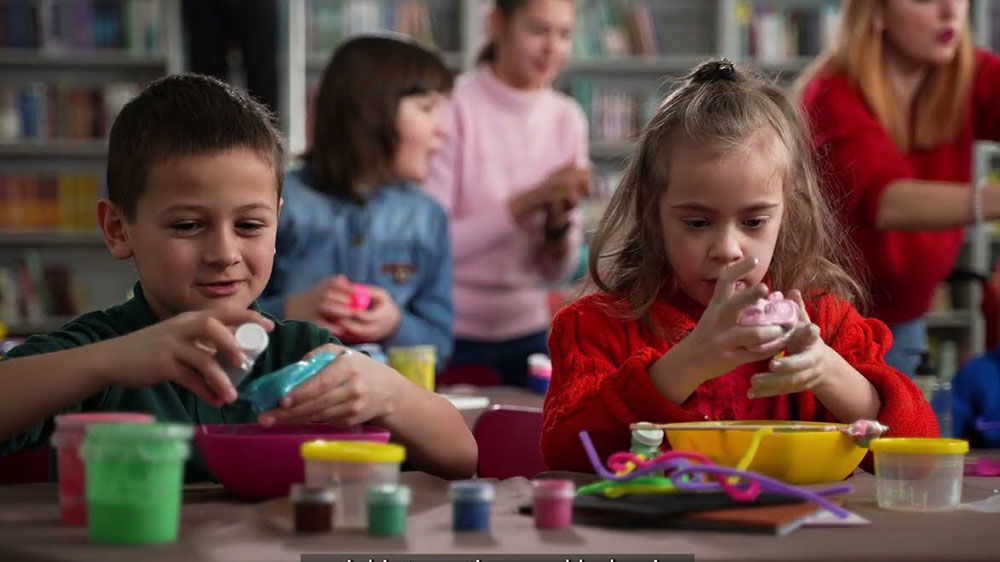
615	28
48	201
329	22
614	113
44	111
32	292
772	32
71	25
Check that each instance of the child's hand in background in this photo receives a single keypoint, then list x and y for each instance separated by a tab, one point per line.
183	350
803	368
566	186
719	344
354	389
325	304
378	322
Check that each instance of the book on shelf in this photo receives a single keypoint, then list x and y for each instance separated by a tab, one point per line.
32	292
49	201
71	25
774	33
330	22
607	28
41	111
613	112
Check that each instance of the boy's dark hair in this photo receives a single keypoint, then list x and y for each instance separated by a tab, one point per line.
354	133
184	115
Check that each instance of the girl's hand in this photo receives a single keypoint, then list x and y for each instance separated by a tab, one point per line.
379	322
183	349
325	304
566	186
719	344
805	366
354	389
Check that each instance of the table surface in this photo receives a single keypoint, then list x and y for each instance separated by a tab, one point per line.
215	526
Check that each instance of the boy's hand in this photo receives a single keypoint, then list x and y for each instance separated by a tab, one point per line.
718	344
183	349
352	390
379	322
804	366
325	304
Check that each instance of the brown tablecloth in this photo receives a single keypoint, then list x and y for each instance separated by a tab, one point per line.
216	527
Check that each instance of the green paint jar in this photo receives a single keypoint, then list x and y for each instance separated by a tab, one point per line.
387	505
135	475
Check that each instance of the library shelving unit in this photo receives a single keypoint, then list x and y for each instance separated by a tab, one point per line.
68	66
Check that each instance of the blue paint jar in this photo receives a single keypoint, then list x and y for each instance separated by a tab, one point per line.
471	503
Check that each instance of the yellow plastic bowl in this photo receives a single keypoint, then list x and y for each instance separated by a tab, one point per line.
792	453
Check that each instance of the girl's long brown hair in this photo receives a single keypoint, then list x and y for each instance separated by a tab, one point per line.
720	108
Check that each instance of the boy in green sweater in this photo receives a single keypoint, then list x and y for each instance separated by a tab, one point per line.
194	191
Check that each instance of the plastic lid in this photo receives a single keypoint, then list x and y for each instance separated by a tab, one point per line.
252	338
312	494
124	432
649	437
539	360
920	446
353	451
471	490
82	420
553	488
389	494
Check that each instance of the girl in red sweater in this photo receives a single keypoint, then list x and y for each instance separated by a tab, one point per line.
719	206
894	106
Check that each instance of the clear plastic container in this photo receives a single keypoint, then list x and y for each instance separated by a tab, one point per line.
350	468
918	474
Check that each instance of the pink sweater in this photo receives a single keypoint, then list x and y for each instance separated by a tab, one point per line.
503	141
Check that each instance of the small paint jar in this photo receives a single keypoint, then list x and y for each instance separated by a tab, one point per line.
67	438
313	508
387	505
539	372
553	503
135	476
471	502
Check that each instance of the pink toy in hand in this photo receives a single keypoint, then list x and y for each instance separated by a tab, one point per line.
361	297
774	310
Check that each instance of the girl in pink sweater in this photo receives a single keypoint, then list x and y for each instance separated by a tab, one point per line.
510	176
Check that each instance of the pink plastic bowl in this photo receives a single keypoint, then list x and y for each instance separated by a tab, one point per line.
259	463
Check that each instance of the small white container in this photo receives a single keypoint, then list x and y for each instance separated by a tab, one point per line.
350	468
919	474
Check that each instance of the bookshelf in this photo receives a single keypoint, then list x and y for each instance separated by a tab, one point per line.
68	67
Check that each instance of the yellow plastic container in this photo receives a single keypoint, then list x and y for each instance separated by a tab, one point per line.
350	468
919	474
794	452
415	362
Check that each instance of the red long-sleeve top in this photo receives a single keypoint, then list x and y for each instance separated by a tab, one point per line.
600	381
861	160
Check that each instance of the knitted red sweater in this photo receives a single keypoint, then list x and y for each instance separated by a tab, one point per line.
600	384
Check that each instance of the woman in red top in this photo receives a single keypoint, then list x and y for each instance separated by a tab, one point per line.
719	206
894	106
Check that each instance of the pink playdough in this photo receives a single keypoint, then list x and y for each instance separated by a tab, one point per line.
361	297
774	310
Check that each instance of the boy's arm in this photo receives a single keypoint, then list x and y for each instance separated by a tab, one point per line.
39	386
433	432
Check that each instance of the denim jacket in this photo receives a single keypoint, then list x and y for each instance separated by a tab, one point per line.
398	240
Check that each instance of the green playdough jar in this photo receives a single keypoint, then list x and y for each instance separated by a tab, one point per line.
135	474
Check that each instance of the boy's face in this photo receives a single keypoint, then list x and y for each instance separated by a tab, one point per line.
204	230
